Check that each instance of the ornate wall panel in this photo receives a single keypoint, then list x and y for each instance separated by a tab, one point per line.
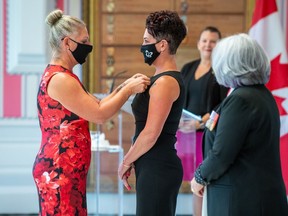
135	6
26	50
227	24
214	6
128	29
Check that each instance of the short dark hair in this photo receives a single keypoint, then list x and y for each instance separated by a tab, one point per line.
167	25
212	29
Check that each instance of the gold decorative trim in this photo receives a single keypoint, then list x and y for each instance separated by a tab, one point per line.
91	71
250	5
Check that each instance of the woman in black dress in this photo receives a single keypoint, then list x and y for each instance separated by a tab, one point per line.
157	113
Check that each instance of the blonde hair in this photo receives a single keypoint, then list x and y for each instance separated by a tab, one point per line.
61	26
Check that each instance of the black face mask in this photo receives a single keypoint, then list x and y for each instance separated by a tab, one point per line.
150	53
81	52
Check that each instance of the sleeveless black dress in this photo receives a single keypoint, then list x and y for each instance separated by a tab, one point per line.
159	172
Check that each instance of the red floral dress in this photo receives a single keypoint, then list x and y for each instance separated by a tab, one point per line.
61	165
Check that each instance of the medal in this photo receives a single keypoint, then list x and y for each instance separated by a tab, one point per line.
212	121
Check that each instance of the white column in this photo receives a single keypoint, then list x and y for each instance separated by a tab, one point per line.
1	59
30	83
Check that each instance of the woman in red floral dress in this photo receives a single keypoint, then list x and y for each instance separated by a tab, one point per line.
64	109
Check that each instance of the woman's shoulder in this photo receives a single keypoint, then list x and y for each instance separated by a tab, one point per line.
167	84
246	94
60	71
56	68
167	76
191	64
190	67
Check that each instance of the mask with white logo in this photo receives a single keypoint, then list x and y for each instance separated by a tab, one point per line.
150	53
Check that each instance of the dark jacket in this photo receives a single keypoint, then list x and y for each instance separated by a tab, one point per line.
242	158
204	94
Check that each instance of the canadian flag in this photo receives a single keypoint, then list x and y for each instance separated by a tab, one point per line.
269	28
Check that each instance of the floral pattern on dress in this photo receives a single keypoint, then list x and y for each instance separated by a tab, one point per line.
61	165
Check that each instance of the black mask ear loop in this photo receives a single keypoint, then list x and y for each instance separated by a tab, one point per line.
68	46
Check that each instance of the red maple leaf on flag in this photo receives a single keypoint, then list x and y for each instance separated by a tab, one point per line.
267	30
279	84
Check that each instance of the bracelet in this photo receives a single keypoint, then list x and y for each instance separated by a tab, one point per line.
126	165
202	125
198	178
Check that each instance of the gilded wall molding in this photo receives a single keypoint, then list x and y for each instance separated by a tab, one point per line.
91	69
250	5
91	75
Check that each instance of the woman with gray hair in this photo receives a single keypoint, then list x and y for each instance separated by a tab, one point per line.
241	167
